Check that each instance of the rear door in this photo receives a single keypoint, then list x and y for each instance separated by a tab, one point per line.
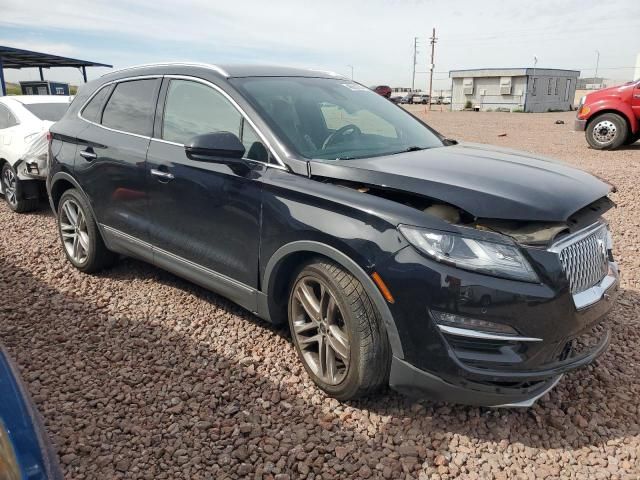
111	155
205	216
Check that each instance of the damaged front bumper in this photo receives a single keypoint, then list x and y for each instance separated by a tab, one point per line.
556	331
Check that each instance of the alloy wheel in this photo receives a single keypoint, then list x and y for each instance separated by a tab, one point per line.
604	131
9	181
320	330
73	228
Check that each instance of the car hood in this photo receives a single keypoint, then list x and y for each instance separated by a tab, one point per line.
487	182
616	90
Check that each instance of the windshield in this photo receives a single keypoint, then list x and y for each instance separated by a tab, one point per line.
334	119
47	111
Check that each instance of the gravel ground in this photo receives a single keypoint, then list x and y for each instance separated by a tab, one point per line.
139	374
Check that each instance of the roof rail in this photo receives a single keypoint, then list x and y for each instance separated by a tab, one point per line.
169	64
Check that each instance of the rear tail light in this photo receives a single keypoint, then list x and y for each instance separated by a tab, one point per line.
49	137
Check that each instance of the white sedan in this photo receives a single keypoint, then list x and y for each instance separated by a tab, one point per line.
24	124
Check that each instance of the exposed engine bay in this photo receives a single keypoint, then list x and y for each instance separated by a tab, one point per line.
523	232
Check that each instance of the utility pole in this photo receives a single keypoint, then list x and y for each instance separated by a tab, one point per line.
597	65
351	66
413	75
433	40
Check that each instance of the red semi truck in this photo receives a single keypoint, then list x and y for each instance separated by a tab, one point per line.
610	117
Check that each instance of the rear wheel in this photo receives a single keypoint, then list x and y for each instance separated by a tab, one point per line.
13	191
80	236
337	331
607	131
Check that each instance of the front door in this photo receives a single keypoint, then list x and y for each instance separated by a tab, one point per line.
205	216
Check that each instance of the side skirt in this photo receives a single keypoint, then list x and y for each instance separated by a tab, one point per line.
237	292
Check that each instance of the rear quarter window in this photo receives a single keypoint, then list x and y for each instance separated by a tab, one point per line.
93	110
131	107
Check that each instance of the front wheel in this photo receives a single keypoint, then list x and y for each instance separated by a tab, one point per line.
13	191
632	138
607	132
337	331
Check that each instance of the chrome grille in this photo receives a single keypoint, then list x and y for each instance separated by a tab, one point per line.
585	260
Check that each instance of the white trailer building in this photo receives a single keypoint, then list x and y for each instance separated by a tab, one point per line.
511	89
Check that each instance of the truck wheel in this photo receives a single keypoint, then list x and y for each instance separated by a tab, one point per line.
632	138
337	331
607	132
12	189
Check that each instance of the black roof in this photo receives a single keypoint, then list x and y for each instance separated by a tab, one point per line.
18	58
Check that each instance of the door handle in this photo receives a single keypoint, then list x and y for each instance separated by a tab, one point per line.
88	154
163	175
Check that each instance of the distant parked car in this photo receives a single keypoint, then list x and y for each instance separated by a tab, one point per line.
24	123
610	117
25	450
383	90
407	98
396	99
415	98
420	98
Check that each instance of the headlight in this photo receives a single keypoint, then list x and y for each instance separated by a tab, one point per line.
481	256
9	468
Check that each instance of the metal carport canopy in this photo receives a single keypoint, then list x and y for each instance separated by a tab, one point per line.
17	58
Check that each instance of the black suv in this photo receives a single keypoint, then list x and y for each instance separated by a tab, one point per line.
455	271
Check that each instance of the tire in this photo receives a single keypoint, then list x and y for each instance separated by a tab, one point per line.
631	139
346	323
80	237
607	131
13	191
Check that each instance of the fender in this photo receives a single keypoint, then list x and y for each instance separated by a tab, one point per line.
68	177
621	107
346	262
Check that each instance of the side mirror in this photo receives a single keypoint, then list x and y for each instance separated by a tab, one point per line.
218	147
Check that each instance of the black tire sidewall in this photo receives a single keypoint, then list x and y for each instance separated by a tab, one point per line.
92	230
621	131
16	207
351	383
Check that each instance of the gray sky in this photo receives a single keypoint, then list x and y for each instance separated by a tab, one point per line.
375	36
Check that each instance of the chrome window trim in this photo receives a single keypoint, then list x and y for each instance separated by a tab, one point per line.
84	105
466	332
281	165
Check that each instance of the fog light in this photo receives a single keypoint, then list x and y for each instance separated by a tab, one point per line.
457	321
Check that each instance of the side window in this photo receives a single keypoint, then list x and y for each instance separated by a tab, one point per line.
192	108
131	107
254	149
93	110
